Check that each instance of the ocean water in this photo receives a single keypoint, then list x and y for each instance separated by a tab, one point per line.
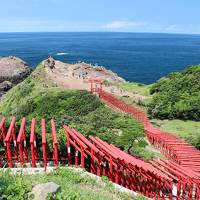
139	57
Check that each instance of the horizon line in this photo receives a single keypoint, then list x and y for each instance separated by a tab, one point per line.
177	33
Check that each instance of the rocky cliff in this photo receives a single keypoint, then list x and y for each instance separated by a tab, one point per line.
12	71
82	71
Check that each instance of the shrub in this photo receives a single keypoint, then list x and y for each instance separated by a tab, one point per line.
177	96
13	187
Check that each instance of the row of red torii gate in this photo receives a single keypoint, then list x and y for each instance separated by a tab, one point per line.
176	178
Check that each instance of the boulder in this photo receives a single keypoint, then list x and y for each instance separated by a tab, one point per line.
13	69
41	191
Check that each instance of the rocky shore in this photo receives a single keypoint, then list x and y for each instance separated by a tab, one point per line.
13	70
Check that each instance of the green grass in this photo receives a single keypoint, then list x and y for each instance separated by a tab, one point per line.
189	130
74	186
136	88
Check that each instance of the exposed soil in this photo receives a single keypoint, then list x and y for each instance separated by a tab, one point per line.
76	76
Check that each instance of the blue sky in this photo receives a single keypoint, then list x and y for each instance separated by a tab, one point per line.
168	16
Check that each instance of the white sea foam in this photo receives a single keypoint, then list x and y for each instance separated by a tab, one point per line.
61	54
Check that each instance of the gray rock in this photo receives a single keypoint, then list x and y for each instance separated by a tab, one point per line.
41	191
13	69
5	86
89	71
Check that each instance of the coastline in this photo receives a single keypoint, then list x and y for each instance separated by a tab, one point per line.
142	58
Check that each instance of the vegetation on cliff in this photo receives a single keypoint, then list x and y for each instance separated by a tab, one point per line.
173	103
37	96
177	96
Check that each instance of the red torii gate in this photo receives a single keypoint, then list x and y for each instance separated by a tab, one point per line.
171	146
34	153
2	136
21	141
11	136
96	85
158	179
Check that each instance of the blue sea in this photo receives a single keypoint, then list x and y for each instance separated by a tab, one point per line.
139	57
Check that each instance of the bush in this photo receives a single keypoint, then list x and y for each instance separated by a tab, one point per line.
177	96
13	187
118	129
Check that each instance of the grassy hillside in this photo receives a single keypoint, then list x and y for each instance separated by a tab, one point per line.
177	96
37	96
137	88
174	105
73	186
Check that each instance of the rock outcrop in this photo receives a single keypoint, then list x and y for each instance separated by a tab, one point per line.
41	191
49	63
82	71
12	71
87	71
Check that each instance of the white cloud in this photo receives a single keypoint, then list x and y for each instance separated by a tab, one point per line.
118	24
